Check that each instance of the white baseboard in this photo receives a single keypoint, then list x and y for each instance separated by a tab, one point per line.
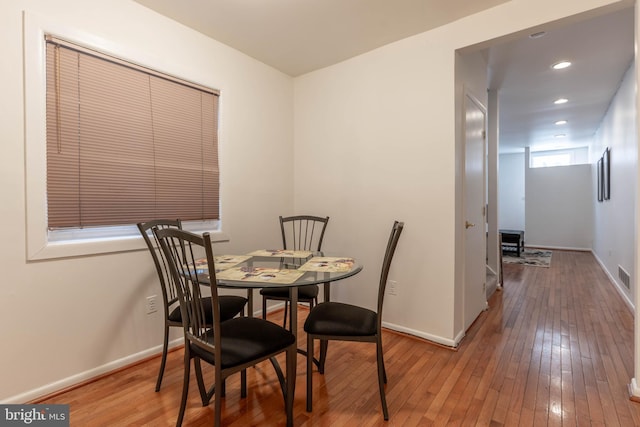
429	337
634	391
53	387
87	375
559	248
613	281
491	270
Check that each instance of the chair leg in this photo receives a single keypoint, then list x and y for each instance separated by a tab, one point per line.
264	307
286	311
281	379
203	391
218	399
309	372
381	379
163	362
324	344
292	359
384	371
185	387
243	383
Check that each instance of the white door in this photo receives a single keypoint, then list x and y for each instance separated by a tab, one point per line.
475	299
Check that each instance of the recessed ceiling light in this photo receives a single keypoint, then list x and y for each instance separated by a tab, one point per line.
561	101
561	122
537	35
560	65
560	135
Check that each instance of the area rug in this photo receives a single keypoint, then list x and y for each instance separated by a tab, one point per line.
534	257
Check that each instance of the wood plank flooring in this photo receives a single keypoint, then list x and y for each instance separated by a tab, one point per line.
554	349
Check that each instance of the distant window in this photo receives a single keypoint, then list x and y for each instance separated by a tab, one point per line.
548	160
125	143
565	157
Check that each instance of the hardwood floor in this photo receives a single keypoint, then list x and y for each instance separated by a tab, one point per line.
555	348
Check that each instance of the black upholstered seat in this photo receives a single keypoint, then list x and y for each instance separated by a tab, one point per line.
299	233
244	339
230	346
230	305
304	292
336	318
346	322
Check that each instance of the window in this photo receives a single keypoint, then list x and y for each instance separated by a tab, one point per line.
42	241
563	157
125	143
539	160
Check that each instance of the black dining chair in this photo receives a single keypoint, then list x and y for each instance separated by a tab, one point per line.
230	346
346	322
299	233
231	305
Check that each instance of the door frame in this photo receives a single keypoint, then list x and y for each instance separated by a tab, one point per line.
468	97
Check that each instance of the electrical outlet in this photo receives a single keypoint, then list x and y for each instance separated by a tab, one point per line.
392	287
152	305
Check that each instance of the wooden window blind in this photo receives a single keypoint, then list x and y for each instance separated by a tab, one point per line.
126	144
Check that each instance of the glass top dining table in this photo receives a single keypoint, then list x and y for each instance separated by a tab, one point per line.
277	268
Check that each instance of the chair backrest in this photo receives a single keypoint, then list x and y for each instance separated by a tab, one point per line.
303	232
169	294
386	265
191	264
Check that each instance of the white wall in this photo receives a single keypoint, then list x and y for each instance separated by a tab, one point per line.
511	192
615	218
86	314
375	140
559	207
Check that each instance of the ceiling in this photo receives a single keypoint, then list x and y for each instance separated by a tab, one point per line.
600	49
299	36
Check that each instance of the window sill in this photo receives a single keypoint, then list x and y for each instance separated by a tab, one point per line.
104	245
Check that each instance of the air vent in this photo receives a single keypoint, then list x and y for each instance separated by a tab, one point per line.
624	277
